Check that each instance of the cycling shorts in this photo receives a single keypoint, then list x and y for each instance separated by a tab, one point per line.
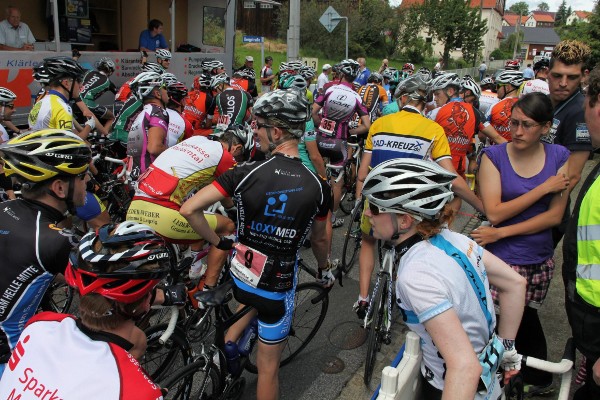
99	111
334	149
274	316
167	222
460	164
91	208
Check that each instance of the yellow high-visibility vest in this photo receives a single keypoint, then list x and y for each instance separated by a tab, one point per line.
588	246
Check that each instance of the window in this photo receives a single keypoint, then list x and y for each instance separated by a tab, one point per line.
213	27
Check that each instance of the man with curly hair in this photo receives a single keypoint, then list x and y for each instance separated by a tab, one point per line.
567	66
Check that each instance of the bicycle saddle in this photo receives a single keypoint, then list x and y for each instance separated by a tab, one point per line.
216	296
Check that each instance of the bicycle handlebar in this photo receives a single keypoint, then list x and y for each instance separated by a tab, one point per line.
171	326
556	368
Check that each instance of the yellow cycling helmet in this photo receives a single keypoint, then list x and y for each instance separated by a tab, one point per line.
42	155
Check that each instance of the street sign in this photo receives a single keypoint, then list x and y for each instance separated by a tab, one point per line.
252	39
330	19
311	62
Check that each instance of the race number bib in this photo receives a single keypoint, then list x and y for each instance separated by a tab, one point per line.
248	265
327	127
223	122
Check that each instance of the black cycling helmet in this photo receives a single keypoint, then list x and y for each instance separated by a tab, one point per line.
544	63
177	92
41	75
288	108
375	77
106	64
62	67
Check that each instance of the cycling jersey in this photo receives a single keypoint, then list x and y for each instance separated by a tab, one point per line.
277	200
124	91
137	140
430	282
308	136
124	120
3	134
339	103
233	107
94	85
199	110
487	100
374	98
499	116
58	358
391	108
534	85
43	250
178	128
51	112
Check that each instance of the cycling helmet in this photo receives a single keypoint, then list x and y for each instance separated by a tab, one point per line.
106	64
246	73
218	80
120	262
544	63
307	72
62	67
514	78
152	67
177	92
512	64
408	67
202	81
411	87
245	134
209	66
292	81
143	84
387	73
486	81
375	77
284	106
41	75
349	67
407	185
445	80
6	96
168	78
42	155
163	54
469	83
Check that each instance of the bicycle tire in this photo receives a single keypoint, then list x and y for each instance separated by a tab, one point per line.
187	382
306	321
58	297
352	241
374	339
160	359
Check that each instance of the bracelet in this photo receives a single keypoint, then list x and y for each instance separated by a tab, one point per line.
508	344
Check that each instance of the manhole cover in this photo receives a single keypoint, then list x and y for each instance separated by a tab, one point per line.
333	365
348	335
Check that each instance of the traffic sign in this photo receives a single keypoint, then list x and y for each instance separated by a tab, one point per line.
330	19
252	39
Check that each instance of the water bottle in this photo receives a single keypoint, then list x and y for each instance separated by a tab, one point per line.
246	342
233	358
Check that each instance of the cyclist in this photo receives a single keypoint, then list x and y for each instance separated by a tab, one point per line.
404	134
95	84
498	115
213	67
148	135
7	108
308	73
488	95
200	106
242	79
124	92
53	110
163	58
373	96
331	113
232	105
179	127
407	70
277	201
115	272
52	166
540	82
442	285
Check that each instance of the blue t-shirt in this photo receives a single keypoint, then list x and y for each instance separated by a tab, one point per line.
152	43
363	77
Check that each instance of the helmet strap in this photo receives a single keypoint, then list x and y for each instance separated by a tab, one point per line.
397	230
272	144
71	209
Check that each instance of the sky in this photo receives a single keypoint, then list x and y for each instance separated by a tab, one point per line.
576	5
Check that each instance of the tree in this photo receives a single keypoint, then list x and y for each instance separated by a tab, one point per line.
543	6
520	7
561	15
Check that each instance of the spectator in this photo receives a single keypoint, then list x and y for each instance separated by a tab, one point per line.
528	73
439	65
266	75
482	70
384	65
249	66
581	258
363	72
152	38
323	78
14	34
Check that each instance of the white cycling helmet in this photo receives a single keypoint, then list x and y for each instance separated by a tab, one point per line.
41	75
292	81
143	84
106	64
514	78
468	83
168	78
6	95
163	54
411	87
152	67
445	80
407	185
307	72
349	67
486	81
246	136
209	66
425	74
218	79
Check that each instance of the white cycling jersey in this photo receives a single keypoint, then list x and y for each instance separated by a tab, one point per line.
177	128
534	85
487	100
429	283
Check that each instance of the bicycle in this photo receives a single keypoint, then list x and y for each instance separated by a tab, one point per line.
379	313
348	172
352	239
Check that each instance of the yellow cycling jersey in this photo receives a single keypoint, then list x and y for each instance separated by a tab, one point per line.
51	112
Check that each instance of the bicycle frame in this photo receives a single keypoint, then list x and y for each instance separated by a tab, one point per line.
386	267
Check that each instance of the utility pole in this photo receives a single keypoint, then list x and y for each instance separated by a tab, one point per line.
293	34
517	35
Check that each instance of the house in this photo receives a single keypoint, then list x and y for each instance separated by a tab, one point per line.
578	16
511	19
491	10
535	40
540	19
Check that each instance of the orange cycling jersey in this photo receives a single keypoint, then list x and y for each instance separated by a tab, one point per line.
499	116
124	91
197	107
240	83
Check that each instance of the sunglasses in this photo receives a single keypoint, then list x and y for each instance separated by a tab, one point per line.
11	106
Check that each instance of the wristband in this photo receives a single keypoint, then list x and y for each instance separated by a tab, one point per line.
91	123
225	244
509	344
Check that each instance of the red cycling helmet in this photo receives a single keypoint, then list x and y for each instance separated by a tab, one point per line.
120	262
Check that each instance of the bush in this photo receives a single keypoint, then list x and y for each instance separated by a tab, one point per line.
498	54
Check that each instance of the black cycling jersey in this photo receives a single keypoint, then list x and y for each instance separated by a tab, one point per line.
33	250
124	120
94	85
233	105
277	201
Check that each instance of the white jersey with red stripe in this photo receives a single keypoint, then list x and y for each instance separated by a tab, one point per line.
54	359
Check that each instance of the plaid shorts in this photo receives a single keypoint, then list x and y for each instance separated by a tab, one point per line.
538	281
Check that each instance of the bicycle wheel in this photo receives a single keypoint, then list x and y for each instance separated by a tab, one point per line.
194	381
352	241
348	197
160	359
374	339
58	297
306	321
